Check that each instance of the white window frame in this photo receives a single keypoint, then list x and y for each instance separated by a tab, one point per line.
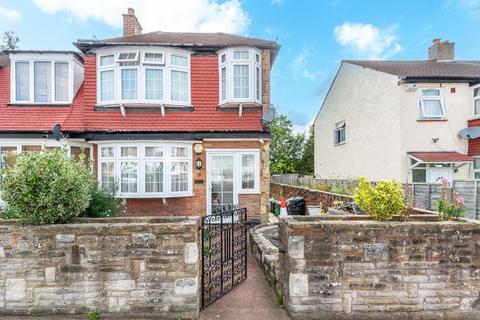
166	68
440	98
475	170
229	64
52	58
475	99
339	126
135	58
141	159
19	143
156	63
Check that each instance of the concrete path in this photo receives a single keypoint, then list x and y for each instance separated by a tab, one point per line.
253	299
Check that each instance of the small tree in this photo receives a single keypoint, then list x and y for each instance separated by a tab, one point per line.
285	147
307	160
10	41
47	187
381	202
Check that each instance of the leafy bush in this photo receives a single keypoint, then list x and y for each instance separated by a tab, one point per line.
47	187
93	315
382	202
103	204
323	186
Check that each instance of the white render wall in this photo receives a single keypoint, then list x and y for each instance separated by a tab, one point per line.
373	144
382	126
417	135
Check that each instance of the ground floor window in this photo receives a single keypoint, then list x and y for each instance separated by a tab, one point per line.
476	168
431	172
10	149
146	170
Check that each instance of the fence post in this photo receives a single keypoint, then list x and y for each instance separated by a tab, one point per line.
475	198
429	197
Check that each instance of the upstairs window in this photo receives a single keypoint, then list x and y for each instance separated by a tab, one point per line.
432	104
476	101
339	133
150	77
240	75
44	78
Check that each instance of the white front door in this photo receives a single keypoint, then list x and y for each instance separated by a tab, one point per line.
435	175
221	186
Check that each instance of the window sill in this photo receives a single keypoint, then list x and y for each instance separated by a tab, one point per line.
144	107
339	144
153	196
232	106
31	104
432	120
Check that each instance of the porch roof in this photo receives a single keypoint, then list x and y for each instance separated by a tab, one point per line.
441	156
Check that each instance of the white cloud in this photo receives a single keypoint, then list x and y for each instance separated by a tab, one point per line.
301	66
9	14
278	2
367	41
471	6
179	15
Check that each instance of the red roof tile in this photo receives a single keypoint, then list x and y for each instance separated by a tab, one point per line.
443	156
82	117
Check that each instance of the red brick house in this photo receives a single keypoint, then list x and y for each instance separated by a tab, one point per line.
172	121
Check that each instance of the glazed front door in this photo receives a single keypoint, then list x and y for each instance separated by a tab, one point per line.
221	185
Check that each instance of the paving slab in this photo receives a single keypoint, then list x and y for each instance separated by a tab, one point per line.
253	299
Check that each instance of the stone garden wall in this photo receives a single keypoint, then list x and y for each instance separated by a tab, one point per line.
334	269
140	266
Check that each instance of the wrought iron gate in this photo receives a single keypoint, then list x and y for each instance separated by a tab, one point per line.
224	252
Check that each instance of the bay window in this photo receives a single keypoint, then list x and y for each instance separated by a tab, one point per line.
432	104
240	75
145	170
41	78
153	76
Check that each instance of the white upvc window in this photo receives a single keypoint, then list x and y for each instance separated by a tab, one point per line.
249	172
240	75
476	168
143	76
476	100
44	78
432	103
340	133
146	170
155	58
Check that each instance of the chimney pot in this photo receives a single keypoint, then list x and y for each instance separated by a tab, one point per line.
441	50
131	26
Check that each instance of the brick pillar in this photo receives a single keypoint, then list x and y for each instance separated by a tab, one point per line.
265	181
266	78
131	26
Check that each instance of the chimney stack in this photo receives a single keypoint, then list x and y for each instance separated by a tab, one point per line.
441	50
131	26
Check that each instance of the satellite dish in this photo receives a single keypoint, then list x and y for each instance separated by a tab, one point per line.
57	132
269	114
469	133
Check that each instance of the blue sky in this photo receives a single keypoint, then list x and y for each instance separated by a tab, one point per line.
315	35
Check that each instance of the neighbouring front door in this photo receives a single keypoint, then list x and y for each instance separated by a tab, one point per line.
435	175
221	188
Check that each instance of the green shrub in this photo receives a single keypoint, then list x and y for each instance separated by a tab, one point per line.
103	204
382	202
47	187
93	315
323	186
